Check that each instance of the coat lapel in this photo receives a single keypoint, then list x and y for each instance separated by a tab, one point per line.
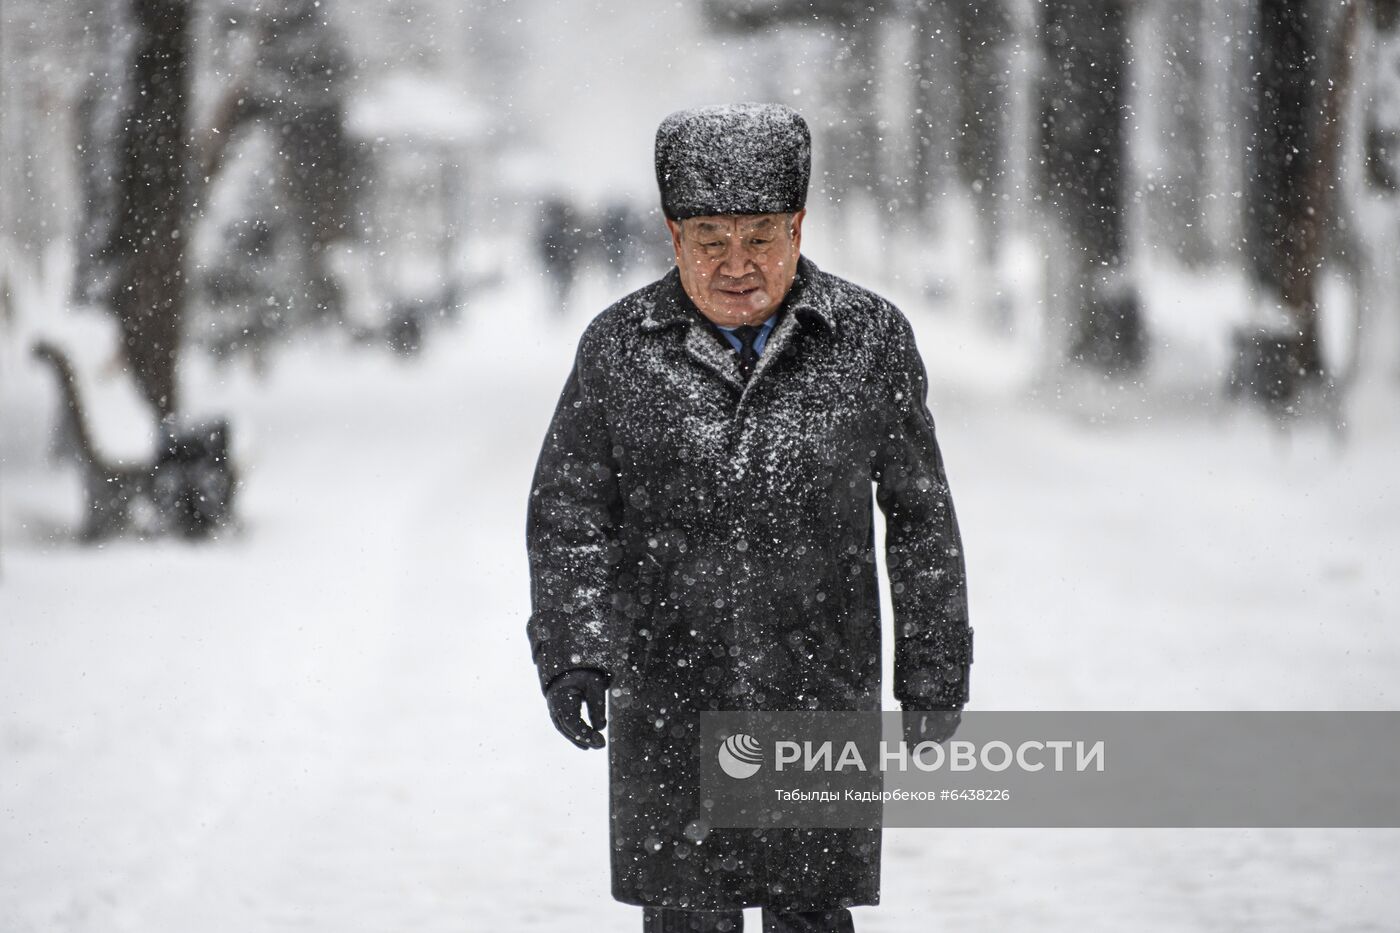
672	308
705	350
808	307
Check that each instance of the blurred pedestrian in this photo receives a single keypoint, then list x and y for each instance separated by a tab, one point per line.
560	241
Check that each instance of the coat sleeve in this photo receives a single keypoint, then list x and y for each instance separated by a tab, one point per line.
572	534
923	548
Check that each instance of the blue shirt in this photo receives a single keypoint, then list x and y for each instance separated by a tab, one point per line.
759	342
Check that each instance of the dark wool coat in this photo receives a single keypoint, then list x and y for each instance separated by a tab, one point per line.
709	544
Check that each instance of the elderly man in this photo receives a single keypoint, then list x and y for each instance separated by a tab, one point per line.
701	532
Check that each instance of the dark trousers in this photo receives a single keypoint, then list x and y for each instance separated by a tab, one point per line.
669	920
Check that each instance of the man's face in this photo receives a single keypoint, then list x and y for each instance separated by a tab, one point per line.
737	267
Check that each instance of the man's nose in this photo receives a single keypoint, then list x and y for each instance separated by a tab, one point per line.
735	264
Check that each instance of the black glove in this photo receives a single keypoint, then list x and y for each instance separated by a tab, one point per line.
566	695
924	723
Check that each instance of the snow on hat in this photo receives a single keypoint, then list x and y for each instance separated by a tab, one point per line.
733	159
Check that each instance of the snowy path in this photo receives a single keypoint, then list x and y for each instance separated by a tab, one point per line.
330	722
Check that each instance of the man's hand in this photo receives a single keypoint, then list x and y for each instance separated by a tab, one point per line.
567	694
929	725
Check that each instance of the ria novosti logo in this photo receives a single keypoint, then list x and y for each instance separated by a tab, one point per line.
740	756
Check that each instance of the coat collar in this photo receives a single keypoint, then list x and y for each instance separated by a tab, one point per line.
807	301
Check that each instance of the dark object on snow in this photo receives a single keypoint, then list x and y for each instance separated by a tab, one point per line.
1110	336
189	483
733	159
567	694
709	544
193	480
1268	368
1264	367
404	329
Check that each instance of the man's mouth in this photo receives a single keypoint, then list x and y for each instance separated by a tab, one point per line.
744	300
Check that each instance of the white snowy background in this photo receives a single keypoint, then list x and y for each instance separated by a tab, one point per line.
327	720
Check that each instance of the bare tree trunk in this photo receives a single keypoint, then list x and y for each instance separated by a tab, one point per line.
318	168
40	69
1383	111
983	28
149	236
1083	149
1186	140
853	147
1299	105
306	104
929	124
1226	66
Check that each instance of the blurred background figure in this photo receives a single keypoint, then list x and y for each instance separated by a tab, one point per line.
627	245
561	241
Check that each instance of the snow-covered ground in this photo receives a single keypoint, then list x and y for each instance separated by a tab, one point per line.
329	720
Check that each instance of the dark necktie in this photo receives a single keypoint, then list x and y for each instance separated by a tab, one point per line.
748	356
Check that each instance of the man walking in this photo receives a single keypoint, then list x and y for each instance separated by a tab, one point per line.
701	536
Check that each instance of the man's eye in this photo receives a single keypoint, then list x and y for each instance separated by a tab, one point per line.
760	242
711	245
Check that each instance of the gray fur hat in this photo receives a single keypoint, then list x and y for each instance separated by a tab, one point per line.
733	159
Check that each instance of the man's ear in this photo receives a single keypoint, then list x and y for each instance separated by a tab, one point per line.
797	229
675	229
